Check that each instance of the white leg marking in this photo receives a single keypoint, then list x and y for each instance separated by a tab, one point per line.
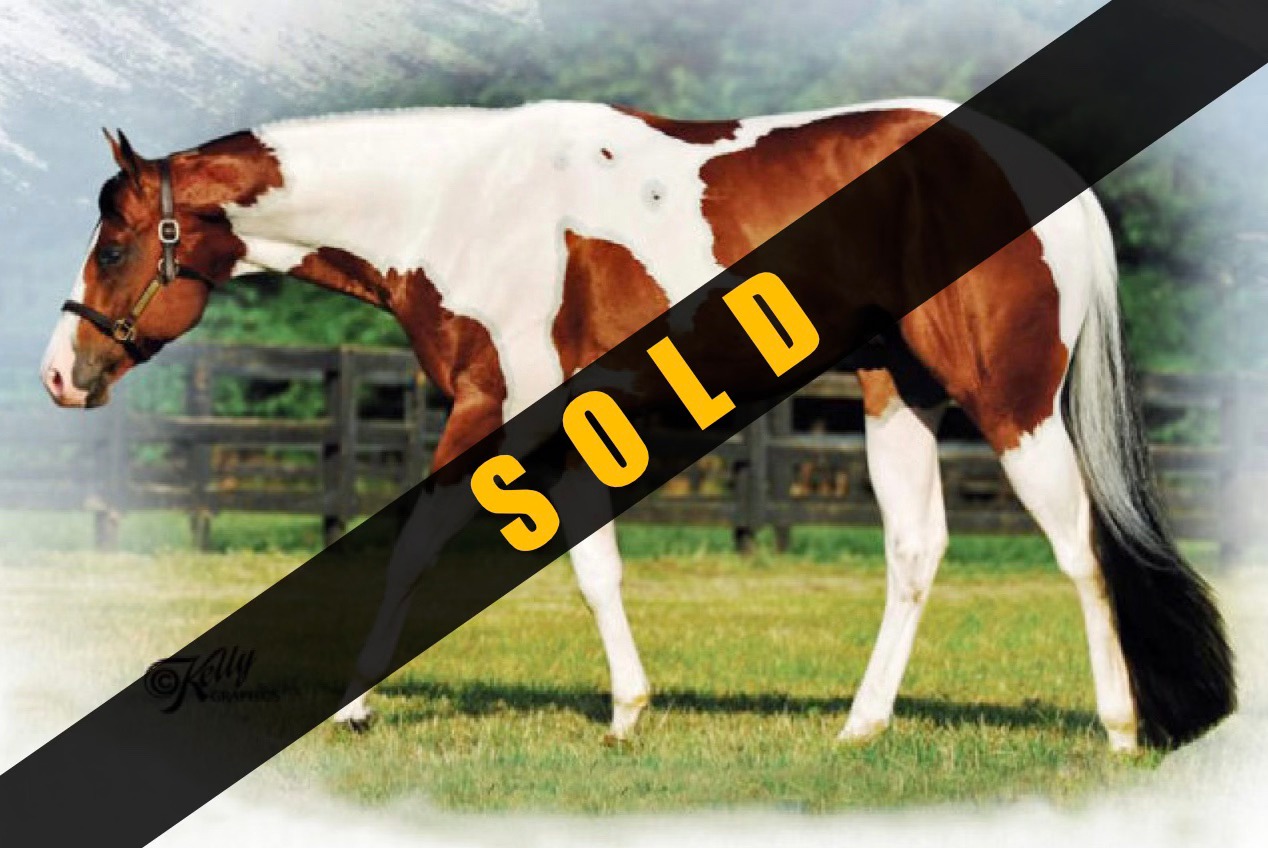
58	365
902	455
1045	475
597	564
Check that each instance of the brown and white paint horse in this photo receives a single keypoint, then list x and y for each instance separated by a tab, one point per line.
514	246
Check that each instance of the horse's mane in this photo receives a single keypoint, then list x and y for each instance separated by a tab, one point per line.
399	111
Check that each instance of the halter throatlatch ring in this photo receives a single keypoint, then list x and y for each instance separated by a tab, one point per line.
169	231
123	331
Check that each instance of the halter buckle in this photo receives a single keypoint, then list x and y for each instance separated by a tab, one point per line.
169	231
123	331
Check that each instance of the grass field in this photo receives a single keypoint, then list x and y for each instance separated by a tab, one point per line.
752	661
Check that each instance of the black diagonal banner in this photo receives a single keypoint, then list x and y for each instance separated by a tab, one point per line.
176	738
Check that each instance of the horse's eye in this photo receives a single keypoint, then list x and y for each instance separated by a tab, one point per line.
110	254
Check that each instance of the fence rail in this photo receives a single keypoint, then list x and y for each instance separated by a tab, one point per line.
783	471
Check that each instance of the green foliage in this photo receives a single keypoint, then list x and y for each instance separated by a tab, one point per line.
277	310
1170	213
718	58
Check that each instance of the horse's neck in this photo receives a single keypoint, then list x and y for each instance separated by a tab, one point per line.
364	209
371	185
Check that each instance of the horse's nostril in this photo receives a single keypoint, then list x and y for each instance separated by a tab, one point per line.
62	389
55	383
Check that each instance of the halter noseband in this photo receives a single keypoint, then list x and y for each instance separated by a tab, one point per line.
123	330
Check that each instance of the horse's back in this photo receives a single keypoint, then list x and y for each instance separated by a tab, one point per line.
1000	337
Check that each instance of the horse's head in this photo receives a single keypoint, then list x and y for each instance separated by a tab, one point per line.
162	240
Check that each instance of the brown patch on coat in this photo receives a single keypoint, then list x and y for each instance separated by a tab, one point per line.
752	194
991	339
341	271
692	132
608	295
237	168
472	417
455	351
879	391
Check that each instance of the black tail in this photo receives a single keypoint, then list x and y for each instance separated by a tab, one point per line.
1172	635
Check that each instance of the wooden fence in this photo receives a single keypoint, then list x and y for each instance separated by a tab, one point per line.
786	470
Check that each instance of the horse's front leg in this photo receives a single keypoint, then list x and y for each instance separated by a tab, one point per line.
597	564
475	414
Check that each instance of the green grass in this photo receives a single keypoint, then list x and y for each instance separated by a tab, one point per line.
241	532
752	662
753	670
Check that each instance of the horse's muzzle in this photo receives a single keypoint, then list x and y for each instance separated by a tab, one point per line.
62	389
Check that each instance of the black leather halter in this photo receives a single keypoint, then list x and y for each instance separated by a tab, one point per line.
123	330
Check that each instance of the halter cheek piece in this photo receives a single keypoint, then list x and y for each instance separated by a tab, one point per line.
123	330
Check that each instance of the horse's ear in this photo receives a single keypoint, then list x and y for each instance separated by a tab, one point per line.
124	156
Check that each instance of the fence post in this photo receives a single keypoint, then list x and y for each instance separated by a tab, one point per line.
108	512
416	434
752	480
339	455
742	532
198	402
781	473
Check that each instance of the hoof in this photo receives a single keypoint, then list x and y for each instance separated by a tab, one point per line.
1123	743
611	740
358	725
862	733
625	715
356	720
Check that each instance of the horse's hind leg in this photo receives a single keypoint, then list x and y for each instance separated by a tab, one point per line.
902	457
1045	475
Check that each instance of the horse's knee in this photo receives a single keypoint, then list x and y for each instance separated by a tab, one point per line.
599	580
596	562
912	556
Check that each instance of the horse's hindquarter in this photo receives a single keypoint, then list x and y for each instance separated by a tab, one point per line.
998	340
663	206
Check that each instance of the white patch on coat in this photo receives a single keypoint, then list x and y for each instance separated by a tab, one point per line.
60	353
479	199
1065	236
